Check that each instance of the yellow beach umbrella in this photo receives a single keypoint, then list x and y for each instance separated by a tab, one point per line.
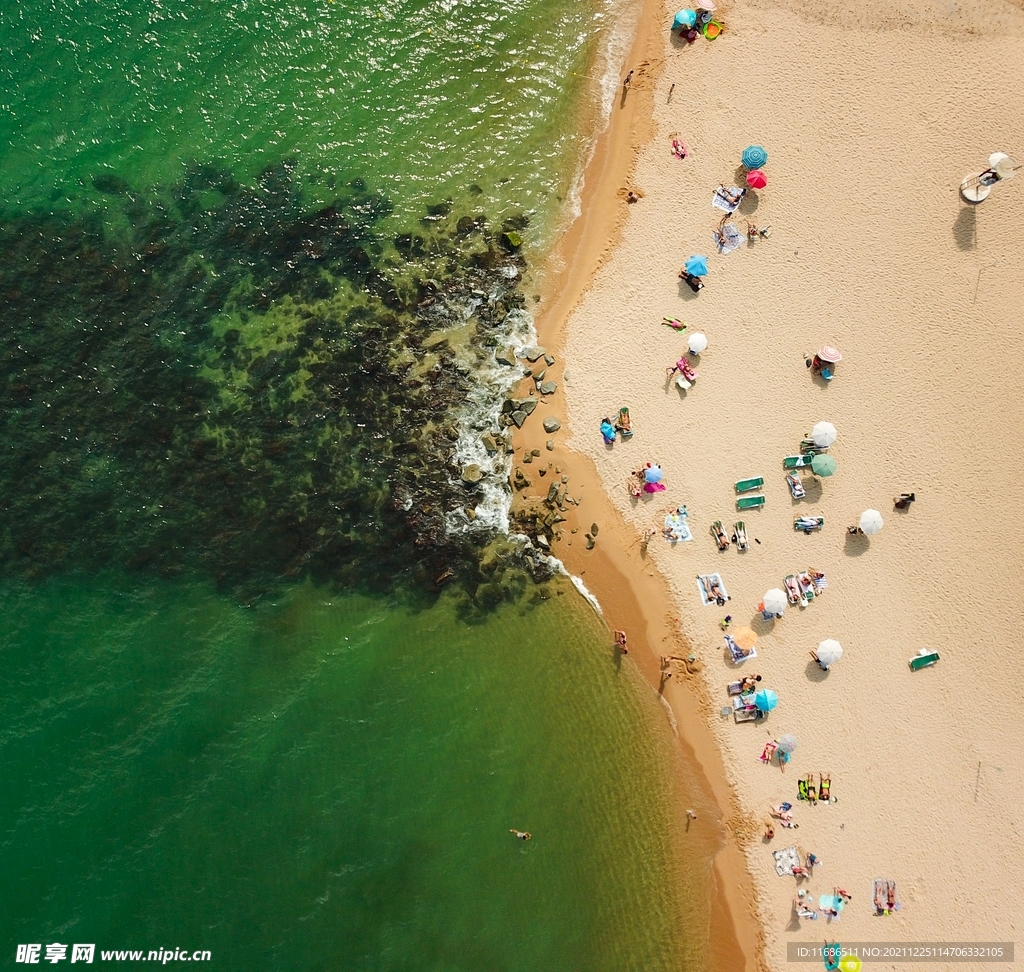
745	637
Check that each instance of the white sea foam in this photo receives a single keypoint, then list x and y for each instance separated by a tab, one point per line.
479	415
613	48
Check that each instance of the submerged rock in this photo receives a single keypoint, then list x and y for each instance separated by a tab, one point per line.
472	473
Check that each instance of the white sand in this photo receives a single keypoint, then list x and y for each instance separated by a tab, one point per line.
870	126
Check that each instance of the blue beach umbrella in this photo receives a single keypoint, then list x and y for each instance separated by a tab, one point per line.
685	18
697	265
754	156
766	700
653	474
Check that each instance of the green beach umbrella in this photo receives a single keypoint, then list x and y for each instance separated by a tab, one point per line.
823	465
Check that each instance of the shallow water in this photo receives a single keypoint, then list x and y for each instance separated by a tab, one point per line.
328	782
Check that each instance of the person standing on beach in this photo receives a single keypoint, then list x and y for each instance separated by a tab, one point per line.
626	81
620	641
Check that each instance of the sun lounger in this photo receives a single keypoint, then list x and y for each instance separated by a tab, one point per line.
820	583
749	502
786	860
721	537
748	485
795	486
741	535
803	579
736	653
797	462
923	659
808	523
704	585
793	589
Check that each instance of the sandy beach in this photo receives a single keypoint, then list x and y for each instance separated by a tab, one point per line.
871	116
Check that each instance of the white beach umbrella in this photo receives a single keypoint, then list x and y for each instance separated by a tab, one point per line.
870	522
824	434
774	601
829	652
697	342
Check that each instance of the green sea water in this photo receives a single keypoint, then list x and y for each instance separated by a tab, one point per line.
202	746
328	782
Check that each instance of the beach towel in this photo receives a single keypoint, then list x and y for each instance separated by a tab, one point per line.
721	201
786	860
677	529
708	580
735	653
820	583
727	238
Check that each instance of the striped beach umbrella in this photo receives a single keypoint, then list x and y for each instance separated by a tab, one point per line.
754	156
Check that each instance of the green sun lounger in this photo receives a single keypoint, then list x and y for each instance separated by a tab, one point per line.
797	462
749	502
923	659
747	485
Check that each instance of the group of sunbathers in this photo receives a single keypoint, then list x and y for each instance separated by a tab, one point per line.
806	790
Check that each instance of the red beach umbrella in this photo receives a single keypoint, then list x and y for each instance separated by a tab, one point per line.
756	179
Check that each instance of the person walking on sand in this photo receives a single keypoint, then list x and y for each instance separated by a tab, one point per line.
521	834
626	82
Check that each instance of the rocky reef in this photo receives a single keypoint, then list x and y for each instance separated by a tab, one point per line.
214	377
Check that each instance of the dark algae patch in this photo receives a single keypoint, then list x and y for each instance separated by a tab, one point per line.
212	377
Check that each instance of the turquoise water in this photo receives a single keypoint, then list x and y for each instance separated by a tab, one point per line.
328	782
240	712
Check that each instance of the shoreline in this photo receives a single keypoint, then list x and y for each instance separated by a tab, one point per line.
633	595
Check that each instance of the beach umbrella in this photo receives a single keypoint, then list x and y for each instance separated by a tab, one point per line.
1003	165
756	179
870	522
823	465
685	18
775	601
830	354
754	157
745	637
707	5
824	434
697	342
697	265
766	700
829	652
653	474
787	742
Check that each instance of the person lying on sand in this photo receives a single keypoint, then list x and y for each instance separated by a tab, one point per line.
693	282
679	149
769	830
